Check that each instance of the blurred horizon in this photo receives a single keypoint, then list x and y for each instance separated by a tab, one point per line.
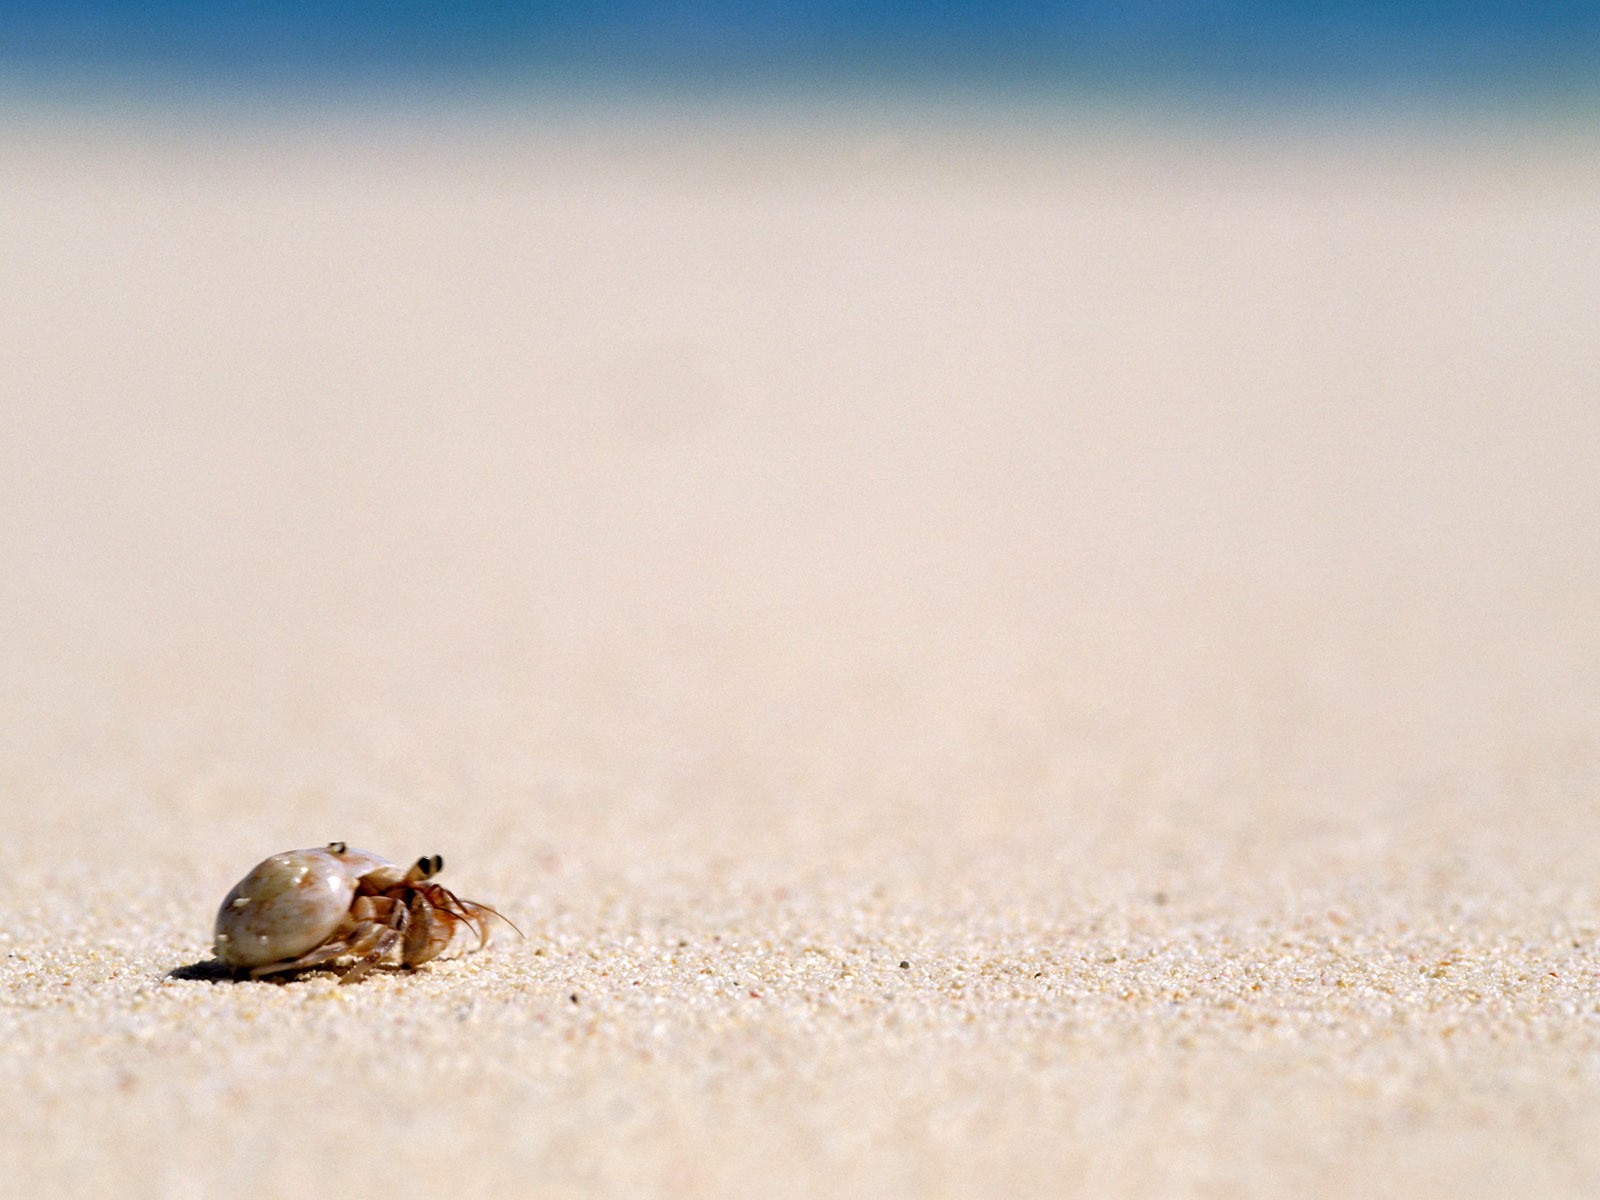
1169	52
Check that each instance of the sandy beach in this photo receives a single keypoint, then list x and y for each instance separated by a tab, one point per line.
987	657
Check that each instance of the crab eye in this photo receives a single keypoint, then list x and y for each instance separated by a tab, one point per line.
337	847
438	864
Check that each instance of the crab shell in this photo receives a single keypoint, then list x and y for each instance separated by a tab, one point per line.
294	902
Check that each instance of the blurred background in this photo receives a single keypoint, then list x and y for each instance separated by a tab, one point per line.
814	418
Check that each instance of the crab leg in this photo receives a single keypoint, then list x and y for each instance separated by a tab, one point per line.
383	939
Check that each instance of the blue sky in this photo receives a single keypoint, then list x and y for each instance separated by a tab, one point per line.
1514	47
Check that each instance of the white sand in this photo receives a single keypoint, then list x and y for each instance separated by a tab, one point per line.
1148	588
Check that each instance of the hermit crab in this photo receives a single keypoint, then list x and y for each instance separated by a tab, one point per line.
311	908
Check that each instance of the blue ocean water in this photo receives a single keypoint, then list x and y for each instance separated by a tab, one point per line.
1510	47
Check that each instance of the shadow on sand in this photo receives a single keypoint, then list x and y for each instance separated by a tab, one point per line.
213	970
